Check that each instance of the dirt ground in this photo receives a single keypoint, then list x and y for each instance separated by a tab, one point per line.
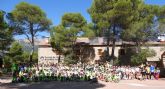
123	84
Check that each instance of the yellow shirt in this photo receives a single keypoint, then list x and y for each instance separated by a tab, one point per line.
148	69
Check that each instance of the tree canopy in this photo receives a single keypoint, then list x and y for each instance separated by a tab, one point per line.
15	52
109	15
63	36
28	20
114	17
6	36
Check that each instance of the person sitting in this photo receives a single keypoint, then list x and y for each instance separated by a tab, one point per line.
139	76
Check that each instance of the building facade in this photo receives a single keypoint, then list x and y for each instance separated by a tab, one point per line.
94	49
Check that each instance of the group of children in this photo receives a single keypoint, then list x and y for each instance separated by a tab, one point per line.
79	72
149	72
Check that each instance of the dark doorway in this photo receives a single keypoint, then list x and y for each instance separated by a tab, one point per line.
162	60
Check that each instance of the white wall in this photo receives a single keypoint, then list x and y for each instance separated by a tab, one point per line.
46	55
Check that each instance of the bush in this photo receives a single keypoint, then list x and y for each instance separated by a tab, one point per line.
71	59
141	57
116	62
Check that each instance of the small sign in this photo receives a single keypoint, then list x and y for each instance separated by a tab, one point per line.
50	57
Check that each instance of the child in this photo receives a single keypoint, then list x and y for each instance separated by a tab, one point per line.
157	72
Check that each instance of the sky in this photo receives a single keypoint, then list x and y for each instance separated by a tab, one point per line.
55	9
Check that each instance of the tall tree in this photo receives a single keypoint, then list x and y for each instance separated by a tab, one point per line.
57	40
63	36
141	28
110	15
6	36
28	20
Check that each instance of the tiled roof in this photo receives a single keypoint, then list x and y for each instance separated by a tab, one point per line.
83	39
91	41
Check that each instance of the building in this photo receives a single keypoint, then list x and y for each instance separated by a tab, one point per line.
93	49
46	54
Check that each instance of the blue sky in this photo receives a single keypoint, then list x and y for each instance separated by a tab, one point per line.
157	2
56	8
53	8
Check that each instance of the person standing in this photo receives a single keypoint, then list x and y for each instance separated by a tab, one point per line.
143	72
152	69
147	72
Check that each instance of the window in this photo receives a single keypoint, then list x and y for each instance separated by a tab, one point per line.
99	51
122	52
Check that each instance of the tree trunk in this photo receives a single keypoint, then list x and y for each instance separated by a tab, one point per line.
32	38
108	40
138	47
2	59
2	56
113	44
80	57
59	58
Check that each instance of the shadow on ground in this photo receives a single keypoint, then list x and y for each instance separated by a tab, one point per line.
52	85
